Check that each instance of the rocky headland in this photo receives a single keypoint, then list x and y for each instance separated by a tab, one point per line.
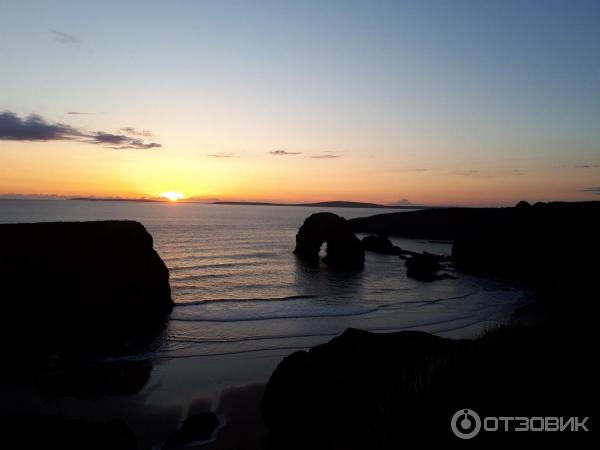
551	247
81	287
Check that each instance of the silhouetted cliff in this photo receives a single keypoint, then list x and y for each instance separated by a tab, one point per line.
442	223
81	286
553	247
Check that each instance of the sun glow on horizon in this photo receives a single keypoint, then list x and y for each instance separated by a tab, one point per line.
172	196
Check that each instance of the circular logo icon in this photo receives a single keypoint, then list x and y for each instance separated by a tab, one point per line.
465	423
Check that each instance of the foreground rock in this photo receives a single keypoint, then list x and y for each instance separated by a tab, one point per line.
380	243
341	394
400	390
81	286
344	249
424	267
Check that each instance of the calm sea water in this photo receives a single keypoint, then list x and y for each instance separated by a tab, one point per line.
238	287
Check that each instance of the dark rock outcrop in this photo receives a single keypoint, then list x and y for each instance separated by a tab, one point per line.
351	392
81	286
196	428
344	249
424	267
442	223
380	243
400	390
551	247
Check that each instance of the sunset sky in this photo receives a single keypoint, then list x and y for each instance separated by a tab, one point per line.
439	102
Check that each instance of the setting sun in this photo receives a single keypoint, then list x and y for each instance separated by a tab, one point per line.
171	196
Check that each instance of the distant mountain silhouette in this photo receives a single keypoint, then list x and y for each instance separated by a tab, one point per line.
330	204
402	202
100	199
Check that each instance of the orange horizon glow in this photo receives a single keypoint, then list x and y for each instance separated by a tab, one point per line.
74	169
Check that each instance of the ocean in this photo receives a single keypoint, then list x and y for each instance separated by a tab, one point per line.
243	300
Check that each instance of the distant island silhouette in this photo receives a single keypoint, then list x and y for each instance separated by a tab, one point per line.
100	199
330	204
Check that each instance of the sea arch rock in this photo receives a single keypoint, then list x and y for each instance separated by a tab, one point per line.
344	249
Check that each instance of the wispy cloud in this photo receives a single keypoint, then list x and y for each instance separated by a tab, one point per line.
120	141
326	156
221	155
35	128
78	113
587	166
516	172
136	132
592	190
283	153
64	38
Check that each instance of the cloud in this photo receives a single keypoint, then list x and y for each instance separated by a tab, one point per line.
35	128
221	155
77	113
516	172
135	132
592	190
420	169
587	166
120	141
64	38
326	156
283	153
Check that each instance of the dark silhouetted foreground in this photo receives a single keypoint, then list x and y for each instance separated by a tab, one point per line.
41	431
81	287
399	390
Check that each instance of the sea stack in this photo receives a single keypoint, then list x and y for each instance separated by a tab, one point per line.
344	249
81	286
